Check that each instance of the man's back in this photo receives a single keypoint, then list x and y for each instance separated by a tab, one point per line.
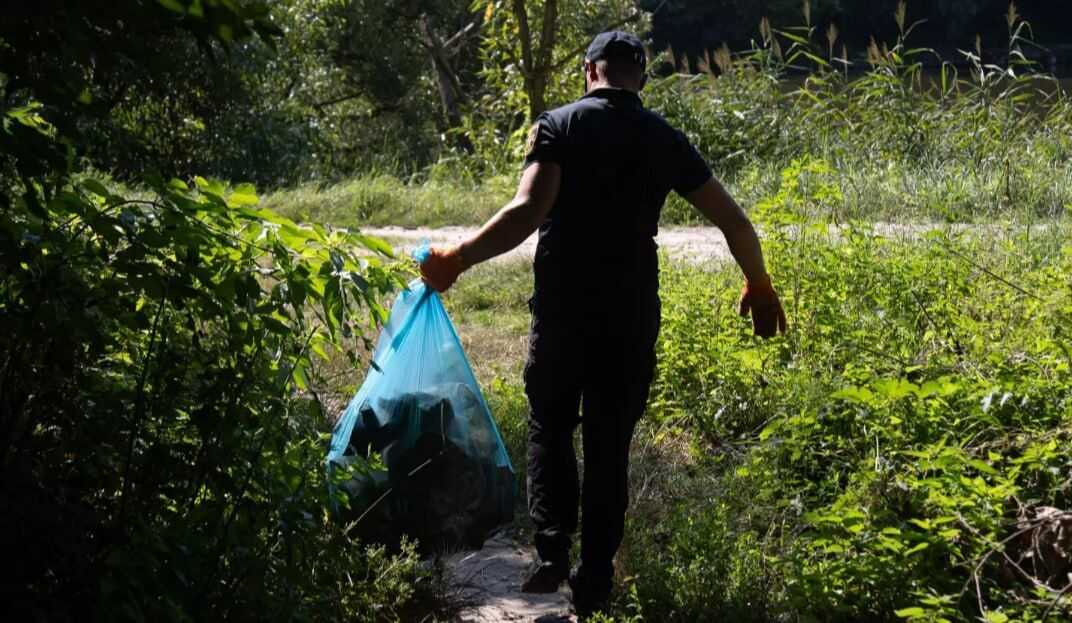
619	161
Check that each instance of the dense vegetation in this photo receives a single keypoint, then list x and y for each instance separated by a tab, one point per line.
900	455
914	137
162	458
173	345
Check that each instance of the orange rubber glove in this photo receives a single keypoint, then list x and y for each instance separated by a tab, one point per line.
759	298
442	268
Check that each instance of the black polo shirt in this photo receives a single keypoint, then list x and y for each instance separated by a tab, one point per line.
619	161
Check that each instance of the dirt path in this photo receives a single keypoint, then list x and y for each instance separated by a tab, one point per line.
696	244
688	243
490	579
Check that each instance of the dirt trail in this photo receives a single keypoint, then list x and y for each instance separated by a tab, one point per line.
688	243
691	244
490	579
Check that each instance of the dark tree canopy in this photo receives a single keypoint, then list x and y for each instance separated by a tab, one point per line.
693	26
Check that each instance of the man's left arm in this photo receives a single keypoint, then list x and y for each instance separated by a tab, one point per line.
536	194
758	297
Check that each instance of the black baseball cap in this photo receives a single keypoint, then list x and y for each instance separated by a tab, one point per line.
617	45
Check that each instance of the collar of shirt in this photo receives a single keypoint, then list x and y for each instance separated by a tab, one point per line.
614	94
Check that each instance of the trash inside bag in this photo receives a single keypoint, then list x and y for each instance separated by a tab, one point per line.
448	481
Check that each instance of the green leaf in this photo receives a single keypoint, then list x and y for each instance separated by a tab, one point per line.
750	359
919	547
243	195
317	347
376	244
95	187
276	326
908	613
172	5
895	389
860	395
215	188
922	523
301	381
983	466
293	236
332	304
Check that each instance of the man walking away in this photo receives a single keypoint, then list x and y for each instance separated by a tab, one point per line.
596	174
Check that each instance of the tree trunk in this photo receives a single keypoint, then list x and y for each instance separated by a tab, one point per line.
536	64
447	80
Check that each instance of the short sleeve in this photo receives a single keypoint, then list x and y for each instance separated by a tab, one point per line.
691	169
544	142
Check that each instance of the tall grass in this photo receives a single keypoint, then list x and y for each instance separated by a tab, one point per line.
379	200
906	135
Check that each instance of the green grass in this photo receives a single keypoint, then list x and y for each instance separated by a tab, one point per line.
382	200
755	490
875	191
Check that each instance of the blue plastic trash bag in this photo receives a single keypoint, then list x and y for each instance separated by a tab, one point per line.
448	480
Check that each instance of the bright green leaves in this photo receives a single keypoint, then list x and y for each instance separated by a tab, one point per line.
858	395
378	245
881	450
884	391
333	306
243	195
808	190
28	116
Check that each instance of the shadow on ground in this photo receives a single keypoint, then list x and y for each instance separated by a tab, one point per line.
490	579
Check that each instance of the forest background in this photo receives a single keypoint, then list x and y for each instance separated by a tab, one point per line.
175	345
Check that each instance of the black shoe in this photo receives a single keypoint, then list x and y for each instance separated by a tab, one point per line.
546	578
589	595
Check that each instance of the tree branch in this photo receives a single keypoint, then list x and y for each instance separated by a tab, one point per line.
456	37
522	17
548	33
572	56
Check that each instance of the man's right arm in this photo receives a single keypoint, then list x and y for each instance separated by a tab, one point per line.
712	200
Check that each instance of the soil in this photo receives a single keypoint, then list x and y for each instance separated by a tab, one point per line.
490	580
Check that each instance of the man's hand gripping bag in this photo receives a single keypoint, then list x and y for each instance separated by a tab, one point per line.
448	480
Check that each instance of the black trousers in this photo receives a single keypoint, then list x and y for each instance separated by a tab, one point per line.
591	367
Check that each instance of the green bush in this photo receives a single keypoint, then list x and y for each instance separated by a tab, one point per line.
885	460
162	447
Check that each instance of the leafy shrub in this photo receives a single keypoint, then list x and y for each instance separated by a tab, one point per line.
161	448
885	459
